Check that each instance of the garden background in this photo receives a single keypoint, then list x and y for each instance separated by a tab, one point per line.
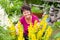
10	13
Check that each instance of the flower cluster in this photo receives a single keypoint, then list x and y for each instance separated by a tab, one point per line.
38	31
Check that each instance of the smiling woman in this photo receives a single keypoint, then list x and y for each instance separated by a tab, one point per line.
27	18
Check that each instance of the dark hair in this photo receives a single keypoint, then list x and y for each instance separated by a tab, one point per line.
25	7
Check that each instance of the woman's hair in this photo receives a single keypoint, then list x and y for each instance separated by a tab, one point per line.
25	7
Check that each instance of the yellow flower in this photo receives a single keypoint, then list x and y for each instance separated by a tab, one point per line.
34	37
12	28
20	38
20	31
43	24
40	33
48	33
43	20
31	30
35	26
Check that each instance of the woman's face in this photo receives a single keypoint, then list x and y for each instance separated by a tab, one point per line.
26	13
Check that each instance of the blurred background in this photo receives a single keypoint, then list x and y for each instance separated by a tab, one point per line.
11	9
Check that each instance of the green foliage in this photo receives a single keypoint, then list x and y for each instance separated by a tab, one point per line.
36	10
4	34
56	29
56	25
57	35
35	1
11	6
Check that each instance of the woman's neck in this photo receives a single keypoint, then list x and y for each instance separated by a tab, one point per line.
28	20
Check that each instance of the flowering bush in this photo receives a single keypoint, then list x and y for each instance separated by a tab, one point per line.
38	31
35	33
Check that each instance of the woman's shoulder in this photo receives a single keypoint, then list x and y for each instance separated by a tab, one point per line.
34	17
21	18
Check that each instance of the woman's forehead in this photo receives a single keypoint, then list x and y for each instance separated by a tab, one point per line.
25	10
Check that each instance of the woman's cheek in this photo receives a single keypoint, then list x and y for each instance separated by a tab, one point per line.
24	14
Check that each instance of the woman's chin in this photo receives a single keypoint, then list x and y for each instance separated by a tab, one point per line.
27	17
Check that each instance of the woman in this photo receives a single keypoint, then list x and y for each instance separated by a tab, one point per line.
27	18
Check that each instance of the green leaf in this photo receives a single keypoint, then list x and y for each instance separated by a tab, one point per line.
57	35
